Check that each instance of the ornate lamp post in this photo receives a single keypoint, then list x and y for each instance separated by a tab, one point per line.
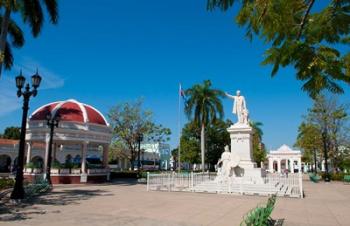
52	122
139	140
18	191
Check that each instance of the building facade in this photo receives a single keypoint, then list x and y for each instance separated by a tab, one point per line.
284	159
157	153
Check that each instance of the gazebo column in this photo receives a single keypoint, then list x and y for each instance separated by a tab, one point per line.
47	142
105	155
299	165
29	152
279	165
54	152
271	164
292	165
83	158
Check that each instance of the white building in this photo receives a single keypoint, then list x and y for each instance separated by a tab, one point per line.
159	153
284	158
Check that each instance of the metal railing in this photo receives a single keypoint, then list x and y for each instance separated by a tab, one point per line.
282	185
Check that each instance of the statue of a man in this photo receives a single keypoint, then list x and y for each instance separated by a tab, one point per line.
239	107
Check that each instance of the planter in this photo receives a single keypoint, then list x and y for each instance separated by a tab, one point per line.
28	170
55	171
75	171
64	171
37	170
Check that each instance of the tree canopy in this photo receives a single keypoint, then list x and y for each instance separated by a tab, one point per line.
32	13
325	130
128	120
12	133
311	36
216	139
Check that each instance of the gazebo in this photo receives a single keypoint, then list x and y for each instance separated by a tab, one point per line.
284	158
81	141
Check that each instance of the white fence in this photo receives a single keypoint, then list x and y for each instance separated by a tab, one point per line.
282	185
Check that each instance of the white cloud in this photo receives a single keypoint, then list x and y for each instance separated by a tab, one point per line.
50	80
8	99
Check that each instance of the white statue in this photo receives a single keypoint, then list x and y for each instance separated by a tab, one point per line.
226	164
239	107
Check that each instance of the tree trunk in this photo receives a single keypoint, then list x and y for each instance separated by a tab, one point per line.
202	145
3	36
325	140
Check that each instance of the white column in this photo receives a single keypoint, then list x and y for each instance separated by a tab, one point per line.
54	152
323	168
279	165
292	165
271	164
29	152
105	156
83	157
47	142
299	165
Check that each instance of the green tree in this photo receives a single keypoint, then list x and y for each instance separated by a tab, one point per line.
16	39
190	143
128	120
259	152
12	133
117	150
32	14
309	140
204	106
216	139
311	36
330	118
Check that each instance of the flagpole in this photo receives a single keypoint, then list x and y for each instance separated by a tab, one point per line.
179	125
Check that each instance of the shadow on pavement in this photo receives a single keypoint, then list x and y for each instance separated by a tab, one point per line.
24	210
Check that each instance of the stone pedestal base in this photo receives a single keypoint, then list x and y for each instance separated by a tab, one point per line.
241	143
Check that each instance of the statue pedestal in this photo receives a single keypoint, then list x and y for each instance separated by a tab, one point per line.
242	144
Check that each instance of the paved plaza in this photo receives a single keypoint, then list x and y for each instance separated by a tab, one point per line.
128	203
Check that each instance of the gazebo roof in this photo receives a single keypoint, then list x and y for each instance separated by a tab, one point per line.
285	149
70	110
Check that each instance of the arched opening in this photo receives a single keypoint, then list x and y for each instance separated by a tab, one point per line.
284	165
68	159
275	166
5	163
77	159
38	162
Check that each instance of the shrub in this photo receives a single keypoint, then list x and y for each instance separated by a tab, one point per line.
6	183
334	176
30	165
125	174
56	165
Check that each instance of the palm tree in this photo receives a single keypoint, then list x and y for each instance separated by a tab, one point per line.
204	106
16	39
259	153
32	14
257	129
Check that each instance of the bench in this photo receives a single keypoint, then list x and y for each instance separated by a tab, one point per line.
261	214
314	178
347	179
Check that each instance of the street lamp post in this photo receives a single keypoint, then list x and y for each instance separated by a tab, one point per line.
139	139
52	122
18	190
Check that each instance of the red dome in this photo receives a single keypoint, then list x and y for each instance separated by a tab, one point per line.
70	110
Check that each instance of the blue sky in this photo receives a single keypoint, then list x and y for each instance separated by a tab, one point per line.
106	52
